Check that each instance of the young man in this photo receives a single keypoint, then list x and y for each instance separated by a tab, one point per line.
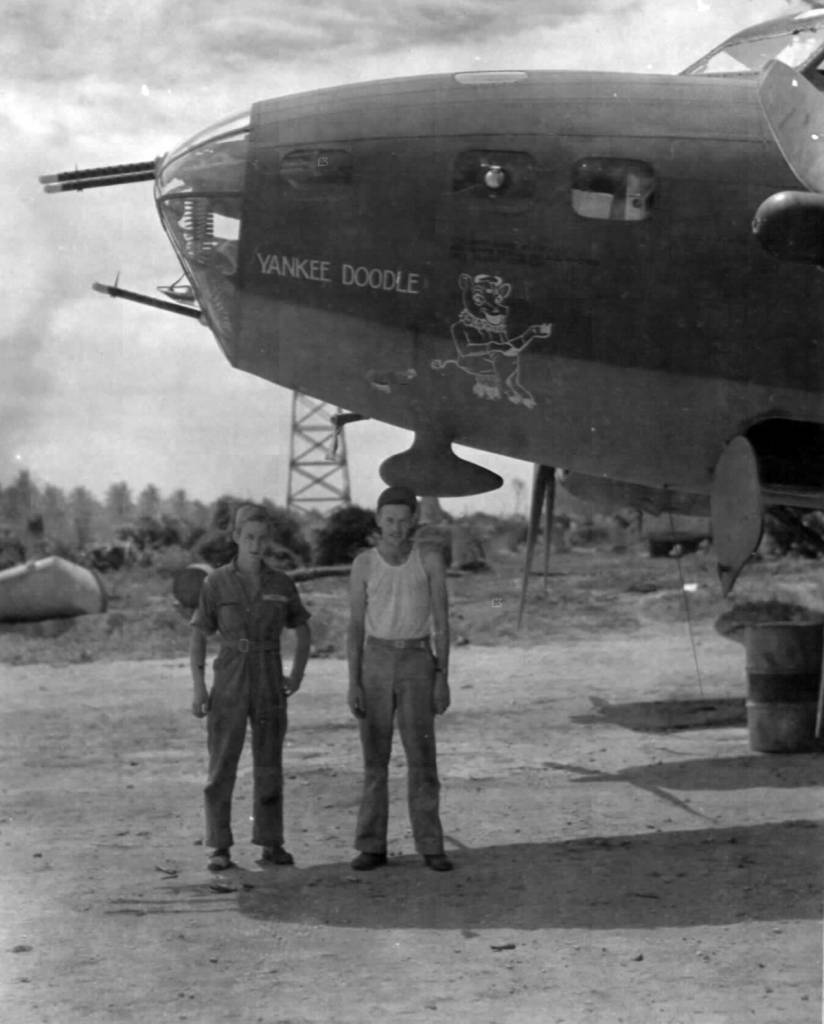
249	604
397	598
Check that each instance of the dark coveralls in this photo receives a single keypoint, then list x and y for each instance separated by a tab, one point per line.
248	684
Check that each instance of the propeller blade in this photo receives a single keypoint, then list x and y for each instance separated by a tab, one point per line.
794	110
543	486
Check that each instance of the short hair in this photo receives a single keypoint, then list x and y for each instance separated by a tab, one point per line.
250	513
398	495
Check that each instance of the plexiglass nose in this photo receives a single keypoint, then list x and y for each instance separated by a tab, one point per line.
199	194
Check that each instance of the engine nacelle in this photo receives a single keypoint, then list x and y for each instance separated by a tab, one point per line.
790	226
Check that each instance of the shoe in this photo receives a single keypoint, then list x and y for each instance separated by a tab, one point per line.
437	862
276	855
368	861
220	861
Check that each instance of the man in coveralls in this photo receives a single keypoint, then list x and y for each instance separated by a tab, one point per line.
397	598
248	604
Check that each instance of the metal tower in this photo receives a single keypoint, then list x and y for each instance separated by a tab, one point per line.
318	470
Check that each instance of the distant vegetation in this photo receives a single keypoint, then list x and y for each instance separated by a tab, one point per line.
346	532
171	531
150	527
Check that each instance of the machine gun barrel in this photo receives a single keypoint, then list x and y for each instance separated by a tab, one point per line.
147	300
98	177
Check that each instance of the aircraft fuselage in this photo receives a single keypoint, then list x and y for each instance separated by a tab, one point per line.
555	266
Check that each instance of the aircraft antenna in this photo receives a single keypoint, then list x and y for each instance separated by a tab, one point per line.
687	612
318	468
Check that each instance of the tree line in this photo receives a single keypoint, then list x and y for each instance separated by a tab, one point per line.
77	519
74	523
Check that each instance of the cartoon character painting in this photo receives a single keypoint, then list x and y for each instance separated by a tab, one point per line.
482	343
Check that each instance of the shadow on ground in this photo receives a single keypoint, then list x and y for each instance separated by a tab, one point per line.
770	771
667	715
768	872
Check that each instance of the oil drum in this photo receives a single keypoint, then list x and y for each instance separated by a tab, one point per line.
783	679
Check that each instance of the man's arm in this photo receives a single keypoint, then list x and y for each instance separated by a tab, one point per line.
197	663
355	634
303	640
433	563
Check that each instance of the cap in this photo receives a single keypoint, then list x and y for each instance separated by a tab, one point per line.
398	495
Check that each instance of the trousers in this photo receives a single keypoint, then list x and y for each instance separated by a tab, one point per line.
399	682
242	695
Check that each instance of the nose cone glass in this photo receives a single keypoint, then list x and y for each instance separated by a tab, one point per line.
199	193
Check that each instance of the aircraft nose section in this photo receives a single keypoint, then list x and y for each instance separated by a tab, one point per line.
199	195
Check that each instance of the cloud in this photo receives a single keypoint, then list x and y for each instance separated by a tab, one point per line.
370	28
173	43
64	41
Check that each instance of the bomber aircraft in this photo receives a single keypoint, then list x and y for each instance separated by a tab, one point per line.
617	274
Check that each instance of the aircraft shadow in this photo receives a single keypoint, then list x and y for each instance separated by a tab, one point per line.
668	715
765	872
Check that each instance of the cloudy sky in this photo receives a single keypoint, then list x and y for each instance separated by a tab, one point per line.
94	390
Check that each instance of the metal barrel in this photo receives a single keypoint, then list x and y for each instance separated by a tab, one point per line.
784	661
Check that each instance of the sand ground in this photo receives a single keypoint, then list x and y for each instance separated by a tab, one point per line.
621	854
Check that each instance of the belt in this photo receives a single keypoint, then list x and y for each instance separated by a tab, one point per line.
243	645
419	642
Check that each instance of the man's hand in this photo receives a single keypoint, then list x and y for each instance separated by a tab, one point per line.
356	699
291	685
200	703
440	694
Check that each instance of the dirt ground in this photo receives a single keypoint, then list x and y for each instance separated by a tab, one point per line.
621	854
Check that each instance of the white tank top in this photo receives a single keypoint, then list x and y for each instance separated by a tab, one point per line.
398	604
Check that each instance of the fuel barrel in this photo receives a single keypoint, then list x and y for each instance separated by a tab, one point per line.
783	680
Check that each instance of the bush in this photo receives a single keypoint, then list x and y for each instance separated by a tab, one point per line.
171	559
148	533
286	531
217	547
347	532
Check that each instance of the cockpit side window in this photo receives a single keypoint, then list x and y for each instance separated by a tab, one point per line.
794	41
611	188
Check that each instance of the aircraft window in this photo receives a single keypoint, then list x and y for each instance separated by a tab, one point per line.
793	41
317	170
490	174
608	188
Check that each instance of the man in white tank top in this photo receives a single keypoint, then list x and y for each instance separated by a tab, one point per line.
398	610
